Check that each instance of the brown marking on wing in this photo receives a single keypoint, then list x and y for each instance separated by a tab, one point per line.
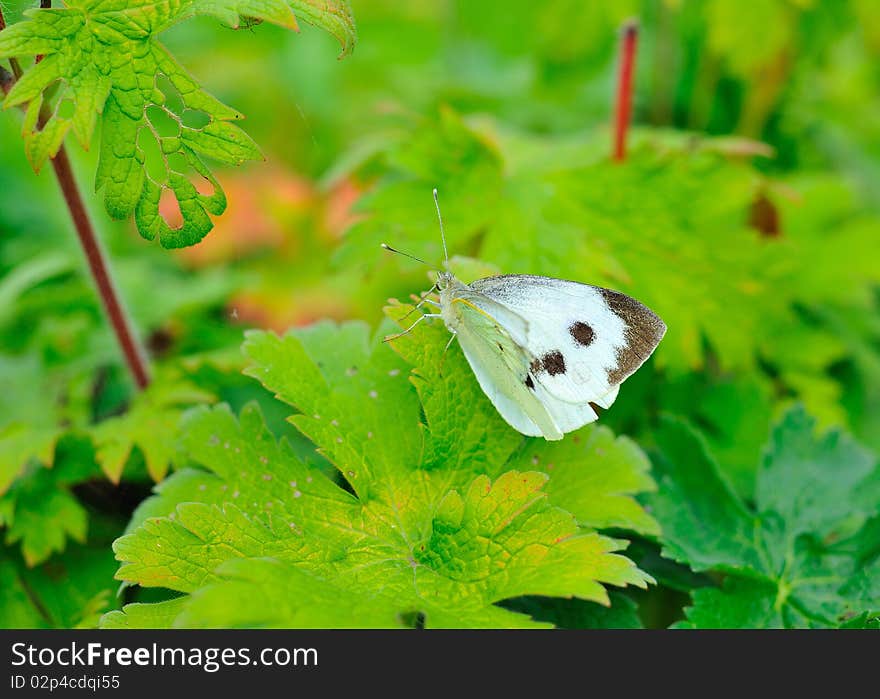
582	333
553	362
643	331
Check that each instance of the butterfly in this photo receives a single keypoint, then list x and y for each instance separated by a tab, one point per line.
546	352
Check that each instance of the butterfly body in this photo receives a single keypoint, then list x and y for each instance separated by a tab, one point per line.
546	351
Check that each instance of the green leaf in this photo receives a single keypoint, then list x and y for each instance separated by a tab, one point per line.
739	603
39	511
270	593
16	609
333	16
578	614
104	58
149	424
155	615
790	560
429	530
594	475
19	443
41	516
734	414
34	403
70	590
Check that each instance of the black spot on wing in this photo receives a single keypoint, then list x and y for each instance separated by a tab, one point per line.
553	362
643	331
529	383
582	333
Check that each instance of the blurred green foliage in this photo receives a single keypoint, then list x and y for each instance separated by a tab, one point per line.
747	215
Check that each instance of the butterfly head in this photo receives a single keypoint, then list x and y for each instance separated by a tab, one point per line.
445	279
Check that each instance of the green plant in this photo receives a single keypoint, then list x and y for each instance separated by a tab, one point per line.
733	482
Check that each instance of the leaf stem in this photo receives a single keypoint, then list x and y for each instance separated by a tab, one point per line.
623	101
34	599
131	350
13	62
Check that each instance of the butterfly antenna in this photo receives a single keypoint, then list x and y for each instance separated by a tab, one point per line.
387	247
442	233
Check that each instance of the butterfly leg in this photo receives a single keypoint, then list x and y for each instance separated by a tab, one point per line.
446	349
410	328
422	300
449	344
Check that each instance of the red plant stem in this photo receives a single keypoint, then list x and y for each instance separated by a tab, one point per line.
623	103
131	350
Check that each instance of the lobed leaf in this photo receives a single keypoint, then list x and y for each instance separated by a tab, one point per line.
799	557
39	510
34	404
150	425
407	529
102	57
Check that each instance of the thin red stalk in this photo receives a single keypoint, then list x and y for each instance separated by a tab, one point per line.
131	350
623	101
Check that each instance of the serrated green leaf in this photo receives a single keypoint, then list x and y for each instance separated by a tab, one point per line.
40	512
20	443
155	615
104	58
266	593
149	424
188	485
292	513
783	564
34	404
578	614
739	604
444	538
691	493
594	475
810	483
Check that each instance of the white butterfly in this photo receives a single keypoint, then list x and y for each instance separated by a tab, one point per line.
545	351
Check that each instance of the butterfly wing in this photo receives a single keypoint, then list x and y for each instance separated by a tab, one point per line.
584	340
501	364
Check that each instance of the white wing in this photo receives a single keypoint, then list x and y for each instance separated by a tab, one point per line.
503	370
606	400
501	366
584	340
